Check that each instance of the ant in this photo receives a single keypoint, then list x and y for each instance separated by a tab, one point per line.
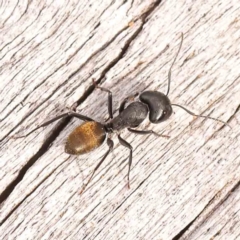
91	134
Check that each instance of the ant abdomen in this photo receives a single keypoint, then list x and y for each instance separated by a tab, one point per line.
159	105
85	138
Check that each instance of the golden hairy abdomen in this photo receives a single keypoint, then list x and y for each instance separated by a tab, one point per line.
85	138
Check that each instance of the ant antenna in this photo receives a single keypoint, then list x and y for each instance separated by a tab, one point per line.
203	116
170	69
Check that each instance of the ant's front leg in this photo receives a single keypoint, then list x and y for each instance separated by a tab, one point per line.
127	99
110	111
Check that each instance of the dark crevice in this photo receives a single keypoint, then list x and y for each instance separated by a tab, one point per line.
184	230
122	53
63	123
231	117
180	234
9	189
65	82
52	136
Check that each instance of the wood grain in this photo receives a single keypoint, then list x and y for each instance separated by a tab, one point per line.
185	187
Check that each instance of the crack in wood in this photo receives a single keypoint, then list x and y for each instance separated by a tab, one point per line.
9	189
65	82
231	117
184	230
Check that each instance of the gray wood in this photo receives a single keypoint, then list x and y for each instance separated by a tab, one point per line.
185	187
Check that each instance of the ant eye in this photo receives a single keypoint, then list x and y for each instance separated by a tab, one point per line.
164	112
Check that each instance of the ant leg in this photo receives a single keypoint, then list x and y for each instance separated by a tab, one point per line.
110	112
127	145
144	132
69	114
110	145
127	99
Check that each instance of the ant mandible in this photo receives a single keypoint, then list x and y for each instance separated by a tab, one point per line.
91	134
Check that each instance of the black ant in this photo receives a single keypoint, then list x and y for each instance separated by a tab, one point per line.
91	134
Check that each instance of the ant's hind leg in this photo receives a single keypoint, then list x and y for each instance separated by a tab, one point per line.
144	132
69	114
127	145
110	145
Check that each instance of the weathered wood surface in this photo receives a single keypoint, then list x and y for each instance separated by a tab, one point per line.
185	187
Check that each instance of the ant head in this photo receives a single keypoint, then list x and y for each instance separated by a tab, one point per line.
159	105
